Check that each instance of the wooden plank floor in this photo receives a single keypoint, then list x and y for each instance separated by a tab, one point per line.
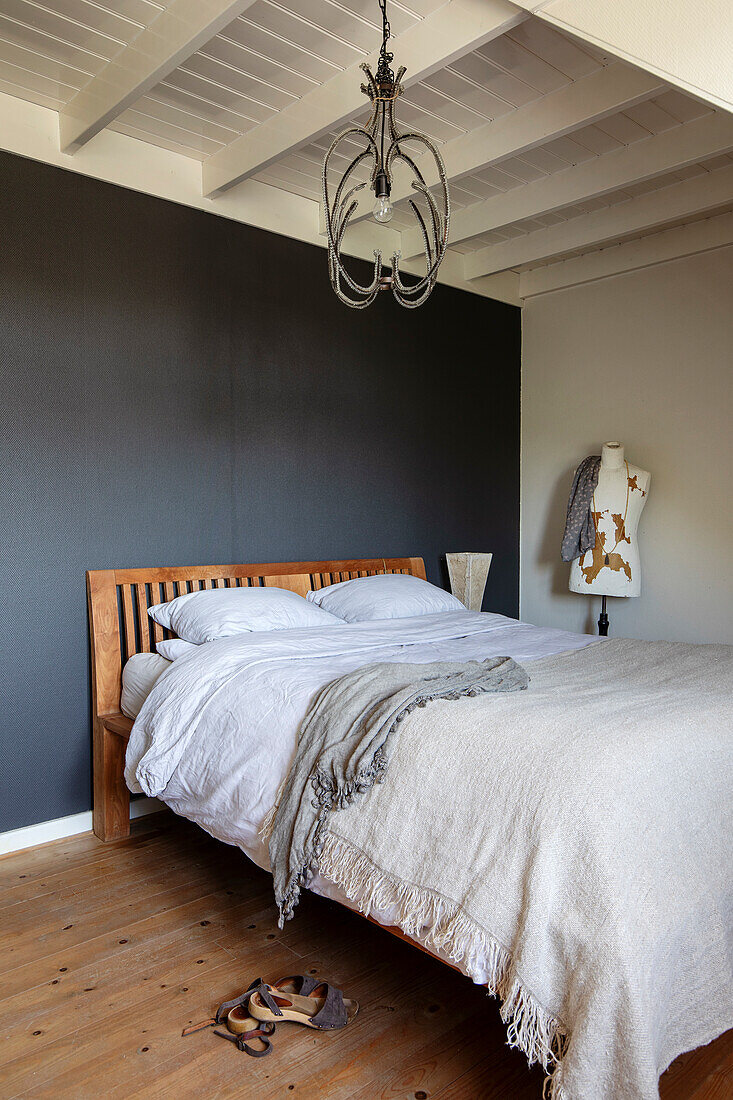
108	951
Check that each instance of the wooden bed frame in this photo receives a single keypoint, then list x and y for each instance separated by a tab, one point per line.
119	626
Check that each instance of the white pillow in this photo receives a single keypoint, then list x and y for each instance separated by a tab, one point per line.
386	596
138	677
221	612
173	648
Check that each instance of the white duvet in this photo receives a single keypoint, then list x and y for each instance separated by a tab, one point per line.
216	735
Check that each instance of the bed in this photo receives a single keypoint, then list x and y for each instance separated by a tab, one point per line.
206	775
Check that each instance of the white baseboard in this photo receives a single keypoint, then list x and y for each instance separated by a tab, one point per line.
15	840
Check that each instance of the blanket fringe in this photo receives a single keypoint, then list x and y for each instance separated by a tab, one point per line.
448	930
265	829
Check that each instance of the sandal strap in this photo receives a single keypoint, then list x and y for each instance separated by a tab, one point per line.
333	1013
198	1027
304	983
263	991
240	1041
257	1053
224	1009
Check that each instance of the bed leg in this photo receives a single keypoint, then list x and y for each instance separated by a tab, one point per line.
111	817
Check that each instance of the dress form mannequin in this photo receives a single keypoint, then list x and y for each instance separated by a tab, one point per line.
613	567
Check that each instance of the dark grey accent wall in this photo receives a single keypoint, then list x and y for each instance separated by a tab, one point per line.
180	389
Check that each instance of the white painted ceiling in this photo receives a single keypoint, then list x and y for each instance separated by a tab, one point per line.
279	51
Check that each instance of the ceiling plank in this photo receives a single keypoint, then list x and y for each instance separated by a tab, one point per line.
689	199
658	248
581	103
173	36
645	160
452	31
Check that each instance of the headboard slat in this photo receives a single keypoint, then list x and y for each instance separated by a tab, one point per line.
143	618
129	617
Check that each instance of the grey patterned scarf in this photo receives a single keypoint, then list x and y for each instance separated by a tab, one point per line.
580	528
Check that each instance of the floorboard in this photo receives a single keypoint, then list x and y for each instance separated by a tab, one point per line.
110	950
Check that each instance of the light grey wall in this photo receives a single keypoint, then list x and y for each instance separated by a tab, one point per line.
646	358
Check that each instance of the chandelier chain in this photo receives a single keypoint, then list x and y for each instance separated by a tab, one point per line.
385	57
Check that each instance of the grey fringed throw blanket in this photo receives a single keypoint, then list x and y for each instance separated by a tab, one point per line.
569	846
343	750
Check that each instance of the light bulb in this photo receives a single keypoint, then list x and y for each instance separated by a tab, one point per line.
383	210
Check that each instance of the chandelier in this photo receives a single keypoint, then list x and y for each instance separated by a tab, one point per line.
384	148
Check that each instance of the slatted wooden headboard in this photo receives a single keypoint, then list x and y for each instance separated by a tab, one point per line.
120	626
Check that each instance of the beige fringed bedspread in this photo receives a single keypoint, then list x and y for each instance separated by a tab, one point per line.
581	833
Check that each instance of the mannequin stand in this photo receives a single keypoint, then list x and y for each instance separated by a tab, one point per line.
603	620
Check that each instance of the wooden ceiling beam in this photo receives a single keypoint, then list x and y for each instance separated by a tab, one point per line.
706	235
450	32
670	151
174	35
590	99
686	44
692	198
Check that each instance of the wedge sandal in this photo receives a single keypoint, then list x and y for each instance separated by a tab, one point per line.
325	1009
242	1028
299	984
